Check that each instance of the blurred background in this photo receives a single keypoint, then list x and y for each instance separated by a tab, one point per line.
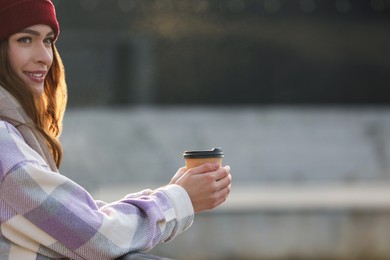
296	92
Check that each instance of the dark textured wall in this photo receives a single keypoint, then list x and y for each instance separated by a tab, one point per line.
226	52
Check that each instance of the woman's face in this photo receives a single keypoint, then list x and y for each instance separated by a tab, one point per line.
31	55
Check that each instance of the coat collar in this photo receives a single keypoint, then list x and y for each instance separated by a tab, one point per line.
12	112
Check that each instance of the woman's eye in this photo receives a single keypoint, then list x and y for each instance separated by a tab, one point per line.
49	41
25	40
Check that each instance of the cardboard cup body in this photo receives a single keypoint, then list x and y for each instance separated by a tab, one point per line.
193	162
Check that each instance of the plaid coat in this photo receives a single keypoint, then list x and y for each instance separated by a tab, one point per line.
44	215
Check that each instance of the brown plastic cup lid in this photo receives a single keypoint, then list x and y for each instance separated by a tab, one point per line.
215	152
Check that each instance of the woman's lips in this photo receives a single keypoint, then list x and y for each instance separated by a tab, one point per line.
36	76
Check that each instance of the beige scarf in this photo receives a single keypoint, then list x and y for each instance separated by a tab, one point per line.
11	109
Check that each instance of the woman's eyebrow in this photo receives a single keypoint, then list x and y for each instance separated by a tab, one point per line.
35	33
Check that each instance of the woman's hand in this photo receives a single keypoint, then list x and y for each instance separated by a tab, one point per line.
208	185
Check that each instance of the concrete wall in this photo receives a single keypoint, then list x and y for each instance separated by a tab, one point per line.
308	182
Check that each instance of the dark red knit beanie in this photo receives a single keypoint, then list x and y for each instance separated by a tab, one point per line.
15	15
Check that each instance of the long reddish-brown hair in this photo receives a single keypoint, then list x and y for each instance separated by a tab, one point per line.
47	110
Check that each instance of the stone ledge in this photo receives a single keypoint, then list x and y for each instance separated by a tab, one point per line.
249	198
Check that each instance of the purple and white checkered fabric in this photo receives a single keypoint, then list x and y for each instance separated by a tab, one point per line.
44	215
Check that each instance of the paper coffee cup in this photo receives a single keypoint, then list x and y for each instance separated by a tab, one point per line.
197	157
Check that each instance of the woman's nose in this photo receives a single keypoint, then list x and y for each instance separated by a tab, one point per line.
43	54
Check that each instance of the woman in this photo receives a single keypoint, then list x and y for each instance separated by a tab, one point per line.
43	214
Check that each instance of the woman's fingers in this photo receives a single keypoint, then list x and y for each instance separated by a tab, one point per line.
208	185
222	173
204	168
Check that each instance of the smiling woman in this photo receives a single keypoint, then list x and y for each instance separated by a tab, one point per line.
45	215
33	74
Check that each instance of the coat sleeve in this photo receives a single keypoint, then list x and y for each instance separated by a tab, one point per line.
51	214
